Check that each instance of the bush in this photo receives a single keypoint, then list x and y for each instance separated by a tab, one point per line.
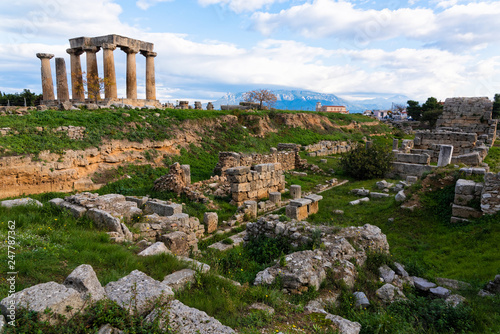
364	163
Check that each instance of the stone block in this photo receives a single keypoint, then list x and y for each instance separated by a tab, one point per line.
314	197
137	291
76	210
20	202
155	249
465	187
105	220
445	154
176	242
463	199
296	212
179	279
210	219
313	208
242	170
295	191
275	197
300	202
465	212
84	280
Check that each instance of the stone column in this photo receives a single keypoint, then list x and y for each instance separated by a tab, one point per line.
150	75
131	72
92	72
76	75
295	191
445	154
110	91
61	80
47	83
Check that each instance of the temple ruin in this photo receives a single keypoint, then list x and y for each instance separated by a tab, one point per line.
91	46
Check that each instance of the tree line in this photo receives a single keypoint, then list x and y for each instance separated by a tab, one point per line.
19	99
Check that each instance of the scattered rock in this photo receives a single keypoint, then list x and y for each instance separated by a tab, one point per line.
196	265
440	292
137	291
389	293
20	202
188	320
344	326
400	196
453	284
179	279
42	296
455	300
494	286
262	307
361	300
422	284
338	212
108	329
386	273
84	280
155	249
484	293
400	270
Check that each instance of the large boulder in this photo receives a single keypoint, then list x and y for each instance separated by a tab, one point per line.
188	320
84	280
39	297
137	292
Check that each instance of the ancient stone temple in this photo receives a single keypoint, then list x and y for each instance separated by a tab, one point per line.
91	46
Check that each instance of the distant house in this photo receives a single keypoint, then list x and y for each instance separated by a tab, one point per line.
367	113
380	114
336	109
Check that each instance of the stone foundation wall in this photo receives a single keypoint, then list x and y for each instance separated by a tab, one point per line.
469	114
430	142
256	182
490	198
287	159
327	147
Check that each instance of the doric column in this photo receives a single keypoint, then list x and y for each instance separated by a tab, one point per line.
150	75
110	90
92	72
61	80
47	83
76	74
131	73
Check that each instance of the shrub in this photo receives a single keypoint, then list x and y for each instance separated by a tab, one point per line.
364	163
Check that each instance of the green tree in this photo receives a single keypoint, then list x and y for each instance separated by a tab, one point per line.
261	96
496	106
414	110
431	111
364	163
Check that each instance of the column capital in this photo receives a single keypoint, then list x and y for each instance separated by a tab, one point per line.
108	46
76	51
44	55
148	54
93	49
129	50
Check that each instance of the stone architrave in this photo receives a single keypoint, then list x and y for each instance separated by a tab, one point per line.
76	74
150	75
92	72
131	72
110	90
61	80
445	154
47	83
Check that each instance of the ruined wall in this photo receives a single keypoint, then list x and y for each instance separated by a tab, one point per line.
327	147
430	142
287	159
256	183
469	114
490	198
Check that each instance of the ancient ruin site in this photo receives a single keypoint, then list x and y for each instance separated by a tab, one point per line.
134	200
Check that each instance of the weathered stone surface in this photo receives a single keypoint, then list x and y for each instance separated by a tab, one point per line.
262	307
42	296
176	242
361	299
465	212
295	191
440	292
378	195
104	219
344	326
422	284
455	300
188	320
210	219
108	329
155	249
389	293
494	286
400	270
179	279
56	201
84	280
20	202
137	292
453	284
400	196
196	265
386	273
76	210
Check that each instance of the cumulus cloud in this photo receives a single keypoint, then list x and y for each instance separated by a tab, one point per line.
240	6
455	27
145	4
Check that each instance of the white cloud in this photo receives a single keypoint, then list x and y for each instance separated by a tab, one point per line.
455	27
145	4
240	6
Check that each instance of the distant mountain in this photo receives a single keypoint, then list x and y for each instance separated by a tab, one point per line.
306	100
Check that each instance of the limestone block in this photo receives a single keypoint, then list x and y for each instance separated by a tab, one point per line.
179	279
20	202
177	242
210	219
465	187
104	219
313	208
155	249
465	212
76	210
296	212
196	265
300	202
137	291
84	280
275	197
422	284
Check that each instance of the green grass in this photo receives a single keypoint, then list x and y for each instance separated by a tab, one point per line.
493	158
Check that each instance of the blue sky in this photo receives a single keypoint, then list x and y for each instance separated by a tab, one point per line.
207	48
